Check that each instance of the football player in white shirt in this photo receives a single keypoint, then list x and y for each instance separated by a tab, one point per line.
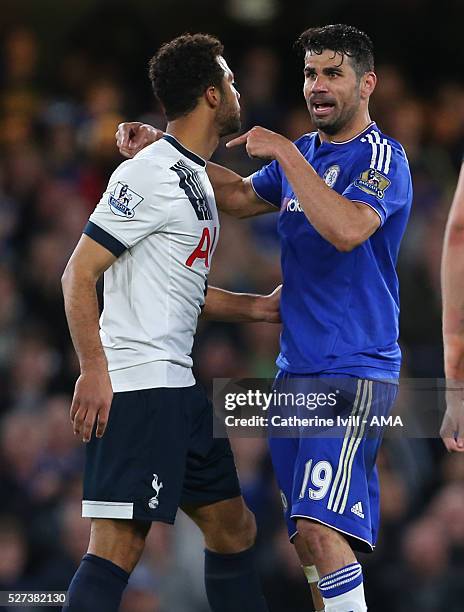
153	235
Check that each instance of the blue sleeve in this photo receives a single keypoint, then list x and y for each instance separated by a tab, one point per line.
267	183
381	179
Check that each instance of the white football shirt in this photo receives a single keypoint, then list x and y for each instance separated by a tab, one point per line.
159	217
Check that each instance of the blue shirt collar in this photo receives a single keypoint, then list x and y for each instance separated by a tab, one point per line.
372	125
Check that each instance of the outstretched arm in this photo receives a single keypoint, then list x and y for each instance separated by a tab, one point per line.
342	222
222	305
234	194
452	275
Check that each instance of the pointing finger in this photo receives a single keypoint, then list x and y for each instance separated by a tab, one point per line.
238	141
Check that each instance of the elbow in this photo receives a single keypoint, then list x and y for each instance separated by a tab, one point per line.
77	277
66	278
237	198
69	277
343	246
242	214
349	238
346	243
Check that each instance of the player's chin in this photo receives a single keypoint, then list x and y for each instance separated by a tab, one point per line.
232	126
327	124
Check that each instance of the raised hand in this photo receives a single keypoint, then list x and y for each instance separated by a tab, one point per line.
132	137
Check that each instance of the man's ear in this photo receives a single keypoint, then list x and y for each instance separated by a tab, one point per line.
213	96
368	83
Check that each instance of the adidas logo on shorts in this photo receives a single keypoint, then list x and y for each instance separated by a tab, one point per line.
358	510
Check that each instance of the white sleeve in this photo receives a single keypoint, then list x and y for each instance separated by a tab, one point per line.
134	205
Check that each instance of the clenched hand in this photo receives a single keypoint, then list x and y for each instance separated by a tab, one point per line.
261	143
132	137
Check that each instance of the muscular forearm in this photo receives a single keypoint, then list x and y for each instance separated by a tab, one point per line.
452	276
81	307
222	305
234	194
334	217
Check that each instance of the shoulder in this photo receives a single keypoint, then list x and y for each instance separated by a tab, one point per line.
305	142
156	155
149	166
382	152
140	179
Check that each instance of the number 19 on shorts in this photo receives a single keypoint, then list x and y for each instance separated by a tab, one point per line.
317	478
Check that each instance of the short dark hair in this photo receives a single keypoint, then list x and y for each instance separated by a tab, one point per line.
182	70
343	39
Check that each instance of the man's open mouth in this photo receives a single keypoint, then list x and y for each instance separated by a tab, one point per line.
321	109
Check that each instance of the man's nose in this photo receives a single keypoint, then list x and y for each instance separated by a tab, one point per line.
319	84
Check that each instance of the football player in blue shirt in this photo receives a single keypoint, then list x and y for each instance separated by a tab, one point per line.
343	194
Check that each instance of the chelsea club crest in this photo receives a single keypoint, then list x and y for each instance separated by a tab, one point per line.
331	175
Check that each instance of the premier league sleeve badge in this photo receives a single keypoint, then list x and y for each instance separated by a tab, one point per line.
123	200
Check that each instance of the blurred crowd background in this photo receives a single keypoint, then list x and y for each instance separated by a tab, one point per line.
69	73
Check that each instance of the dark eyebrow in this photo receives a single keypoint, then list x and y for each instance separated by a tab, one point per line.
333	69
326	70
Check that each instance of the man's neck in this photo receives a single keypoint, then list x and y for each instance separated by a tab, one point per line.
194	134
349	131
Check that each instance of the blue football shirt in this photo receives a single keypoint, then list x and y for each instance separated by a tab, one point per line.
340	310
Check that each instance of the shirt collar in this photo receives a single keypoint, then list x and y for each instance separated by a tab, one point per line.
180	147
371	125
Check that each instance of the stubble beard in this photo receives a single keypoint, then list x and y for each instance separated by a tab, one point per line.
228	121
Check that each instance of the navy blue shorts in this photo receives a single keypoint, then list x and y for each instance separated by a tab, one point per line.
157	453
331	477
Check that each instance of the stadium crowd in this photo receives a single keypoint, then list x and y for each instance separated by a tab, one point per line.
57	151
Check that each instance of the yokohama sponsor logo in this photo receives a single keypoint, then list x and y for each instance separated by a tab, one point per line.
293	206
